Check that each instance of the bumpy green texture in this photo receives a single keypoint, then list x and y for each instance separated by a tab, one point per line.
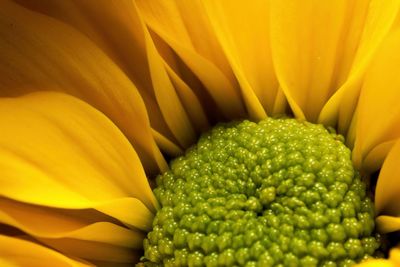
275	193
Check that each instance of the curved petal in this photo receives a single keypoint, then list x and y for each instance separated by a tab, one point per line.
171	107
376	263
93	251
379	112
374	159
394	255
393	261
166	145
18	252
58	151
104	22
111	264
281	104
365	35
309	58
190	101
243	31
41	53
53	223
387	224
78	233
185	33
130	211
387	194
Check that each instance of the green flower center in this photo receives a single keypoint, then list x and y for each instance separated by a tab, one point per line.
275	193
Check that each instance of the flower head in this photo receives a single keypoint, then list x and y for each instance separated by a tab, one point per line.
98	96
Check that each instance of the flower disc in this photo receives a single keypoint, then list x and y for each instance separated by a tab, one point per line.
275	193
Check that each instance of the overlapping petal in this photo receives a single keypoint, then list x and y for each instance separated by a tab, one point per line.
104	22
41	53
62	160
378	121
132	54
84	224
81	227
243	32
369	23
167	98
19	252
387	198
393	261
71	149
320	70
183	25
387	190
72	164
305	54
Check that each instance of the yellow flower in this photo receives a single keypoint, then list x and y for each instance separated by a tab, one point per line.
97	94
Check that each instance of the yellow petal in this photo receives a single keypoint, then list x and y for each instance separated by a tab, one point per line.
109	234
374	159
180	76
86	225
6	263
306	42
41	53
58	151
387	194
387	224
18	252
376	263
96	251
243	31
351	132
394	255
369	24
166	145
105	30
167	98
130	211
281	104
393	261
92	238
104	22
111	264
379	112
190	101
183	25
